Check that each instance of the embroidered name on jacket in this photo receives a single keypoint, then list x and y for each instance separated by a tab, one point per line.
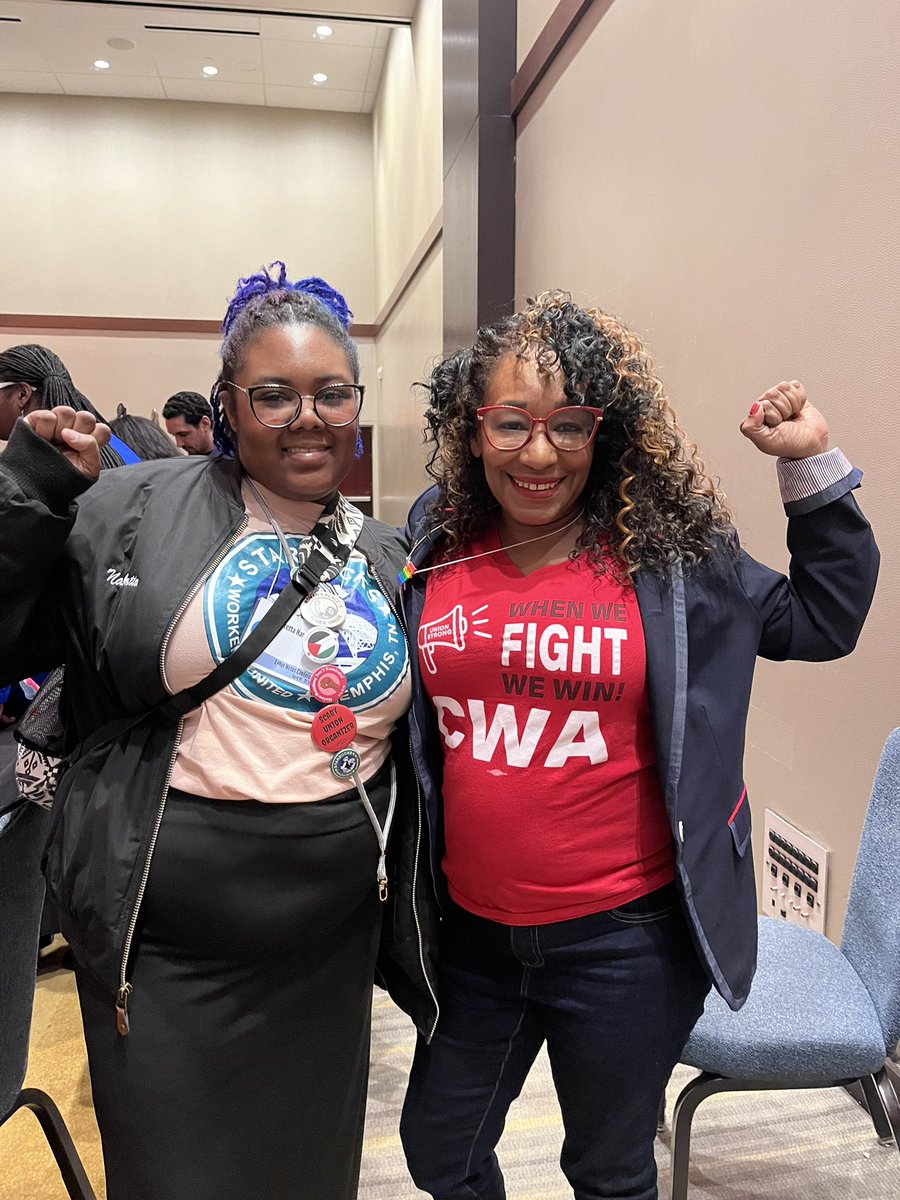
117	579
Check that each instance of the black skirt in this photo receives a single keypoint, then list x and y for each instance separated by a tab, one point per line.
244	1074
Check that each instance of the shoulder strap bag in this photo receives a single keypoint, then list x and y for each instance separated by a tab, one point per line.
40	760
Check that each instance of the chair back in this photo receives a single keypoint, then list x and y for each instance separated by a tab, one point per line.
871	938
21	900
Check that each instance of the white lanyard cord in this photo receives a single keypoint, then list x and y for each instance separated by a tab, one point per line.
381	832
270	517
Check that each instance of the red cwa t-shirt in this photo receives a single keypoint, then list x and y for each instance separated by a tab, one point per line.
552	805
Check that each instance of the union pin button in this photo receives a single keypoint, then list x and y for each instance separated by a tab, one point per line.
345	763
327	684
320	645
324	608
334	727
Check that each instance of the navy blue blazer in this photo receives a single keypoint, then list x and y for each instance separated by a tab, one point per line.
704	629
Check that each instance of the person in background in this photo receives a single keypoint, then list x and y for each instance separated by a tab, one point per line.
33	377
220	877
587	626
189	419
143	436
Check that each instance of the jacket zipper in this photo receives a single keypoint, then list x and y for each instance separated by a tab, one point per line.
125	989
437	1008
415	878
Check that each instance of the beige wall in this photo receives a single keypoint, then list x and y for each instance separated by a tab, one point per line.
407	134
407	138
405	353
154	208
726	176
142	372
139	372
140	209
532	16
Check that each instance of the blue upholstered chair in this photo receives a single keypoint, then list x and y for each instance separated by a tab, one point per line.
849	1021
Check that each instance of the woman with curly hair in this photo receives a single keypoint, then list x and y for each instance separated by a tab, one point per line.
586	626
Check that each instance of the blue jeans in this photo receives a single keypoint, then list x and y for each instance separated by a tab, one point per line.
614	995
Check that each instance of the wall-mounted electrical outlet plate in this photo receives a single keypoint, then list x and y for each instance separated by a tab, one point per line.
794	875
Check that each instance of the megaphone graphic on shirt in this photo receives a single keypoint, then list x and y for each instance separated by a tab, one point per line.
448	630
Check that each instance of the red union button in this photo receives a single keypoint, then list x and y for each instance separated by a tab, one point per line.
326	684
334	728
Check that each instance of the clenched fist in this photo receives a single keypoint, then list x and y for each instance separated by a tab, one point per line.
783	422
78	436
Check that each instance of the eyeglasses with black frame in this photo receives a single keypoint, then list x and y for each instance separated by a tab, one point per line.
569	428
276	405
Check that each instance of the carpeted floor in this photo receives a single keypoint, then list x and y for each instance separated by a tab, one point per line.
787	1145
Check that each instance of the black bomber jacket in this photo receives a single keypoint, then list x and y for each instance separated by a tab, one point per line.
94	576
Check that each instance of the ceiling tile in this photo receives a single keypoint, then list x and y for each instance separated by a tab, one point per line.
299	29
64	37
39	82
378	10
73	52
19	51
221	21
293	97
214	91
293	64
102	84
183	55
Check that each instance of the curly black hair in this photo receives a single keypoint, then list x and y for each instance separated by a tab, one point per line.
190	405
648	494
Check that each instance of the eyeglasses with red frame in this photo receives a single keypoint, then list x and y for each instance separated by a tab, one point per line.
571	427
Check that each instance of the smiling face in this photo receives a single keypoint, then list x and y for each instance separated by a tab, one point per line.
537	485
306	460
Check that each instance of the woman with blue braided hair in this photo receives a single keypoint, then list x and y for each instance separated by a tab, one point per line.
224	869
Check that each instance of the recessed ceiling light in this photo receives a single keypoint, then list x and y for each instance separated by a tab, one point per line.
319	77
324	31
209	70
100	64
118	43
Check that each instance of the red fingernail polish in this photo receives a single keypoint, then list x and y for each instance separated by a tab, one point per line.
753	408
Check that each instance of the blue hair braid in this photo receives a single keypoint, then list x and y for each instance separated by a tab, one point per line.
268	279
267	300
